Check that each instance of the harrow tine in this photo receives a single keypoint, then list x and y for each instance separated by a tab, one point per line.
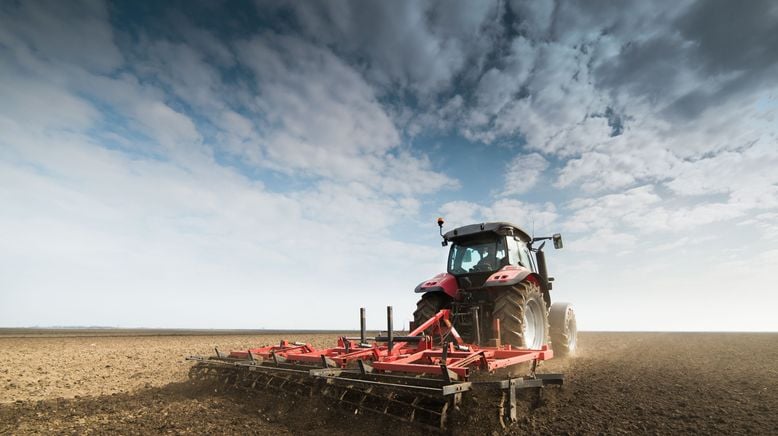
448	375
364	368
326	362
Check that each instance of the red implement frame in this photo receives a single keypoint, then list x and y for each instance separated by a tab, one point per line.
412	354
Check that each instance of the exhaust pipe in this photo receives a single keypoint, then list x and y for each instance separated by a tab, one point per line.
542	269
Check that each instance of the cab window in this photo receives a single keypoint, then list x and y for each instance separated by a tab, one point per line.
526	259
476	256
513	251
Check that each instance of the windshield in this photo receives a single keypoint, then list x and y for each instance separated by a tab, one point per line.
477	256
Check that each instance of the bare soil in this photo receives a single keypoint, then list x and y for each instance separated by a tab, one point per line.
645	383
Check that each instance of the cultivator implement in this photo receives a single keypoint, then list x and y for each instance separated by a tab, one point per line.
410	377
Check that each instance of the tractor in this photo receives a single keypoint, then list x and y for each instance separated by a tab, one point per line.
497	288
475	329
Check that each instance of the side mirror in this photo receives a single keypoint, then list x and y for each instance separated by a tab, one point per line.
467	257
557	241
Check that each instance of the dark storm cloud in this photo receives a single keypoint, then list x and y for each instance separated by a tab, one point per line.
735	41
680	57
732	36
649	68
420	46
712	52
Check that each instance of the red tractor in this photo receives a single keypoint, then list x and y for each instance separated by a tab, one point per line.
487	316
498	289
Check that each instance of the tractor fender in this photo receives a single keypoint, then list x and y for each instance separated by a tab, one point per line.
443	282
511	274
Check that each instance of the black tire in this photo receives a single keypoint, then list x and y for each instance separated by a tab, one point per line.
512	306
564	330
428	306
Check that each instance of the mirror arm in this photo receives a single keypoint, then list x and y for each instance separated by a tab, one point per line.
556	237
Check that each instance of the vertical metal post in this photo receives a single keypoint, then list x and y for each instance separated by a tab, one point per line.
496	333
389	328
476	325
361	325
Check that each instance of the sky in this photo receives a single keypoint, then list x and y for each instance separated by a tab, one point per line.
271	164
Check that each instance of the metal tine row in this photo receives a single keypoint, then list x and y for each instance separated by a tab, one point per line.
427	411
408	409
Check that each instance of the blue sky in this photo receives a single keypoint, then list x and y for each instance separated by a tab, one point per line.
279	165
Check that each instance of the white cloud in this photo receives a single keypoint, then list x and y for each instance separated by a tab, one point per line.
747	175
110	226
498	87
523	172
460	213
186	71
46	105
609	210
541	217
602	240
321	118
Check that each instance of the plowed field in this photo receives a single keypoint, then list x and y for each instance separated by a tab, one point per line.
655	383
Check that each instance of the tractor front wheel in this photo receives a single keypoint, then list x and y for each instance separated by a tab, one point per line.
523	315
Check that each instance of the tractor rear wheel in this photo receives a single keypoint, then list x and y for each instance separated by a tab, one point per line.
430	304
564	331
523	315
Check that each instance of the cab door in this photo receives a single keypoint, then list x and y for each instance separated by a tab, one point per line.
519	255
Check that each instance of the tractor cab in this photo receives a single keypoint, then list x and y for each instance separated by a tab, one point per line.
488	253
478	250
